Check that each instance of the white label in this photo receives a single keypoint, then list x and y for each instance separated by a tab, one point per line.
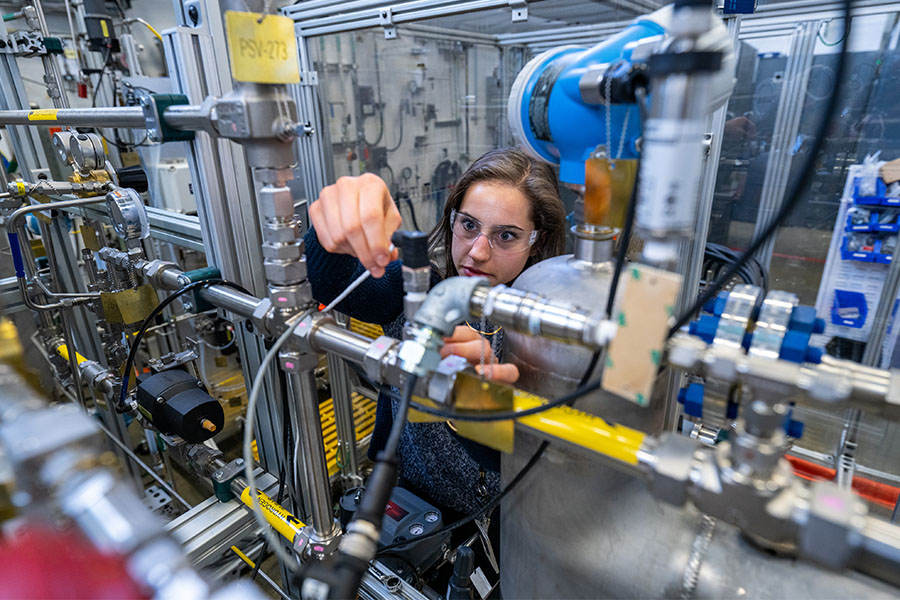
670	175
482	586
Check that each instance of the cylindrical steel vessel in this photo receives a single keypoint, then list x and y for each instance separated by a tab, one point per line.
577	529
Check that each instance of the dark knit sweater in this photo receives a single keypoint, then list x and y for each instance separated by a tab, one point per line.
449	470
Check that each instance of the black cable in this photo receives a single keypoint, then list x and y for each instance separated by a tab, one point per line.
624	241
511	414
792	198
132	352
393	441
399	141
380	130
100	78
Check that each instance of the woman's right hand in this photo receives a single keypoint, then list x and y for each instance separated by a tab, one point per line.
357	216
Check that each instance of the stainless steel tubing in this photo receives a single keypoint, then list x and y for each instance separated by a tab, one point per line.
186	117
122	117
328	337
339	378
306	399
16	230
230	299
46	291
74	368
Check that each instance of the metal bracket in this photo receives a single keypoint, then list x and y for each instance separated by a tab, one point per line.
154	106
199	304
222	479
519	10
309	78
386	20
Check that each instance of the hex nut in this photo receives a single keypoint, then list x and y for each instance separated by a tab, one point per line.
156	269
281	233
260	316
291	296
285	273
283	252
443	380
276	202
378	349
672	468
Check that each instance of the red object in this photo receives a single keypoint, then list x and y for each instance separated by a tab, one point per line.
82	89
39	562
873	491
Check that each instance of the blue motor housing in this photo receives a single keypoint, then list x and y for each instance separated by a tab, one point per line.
549	117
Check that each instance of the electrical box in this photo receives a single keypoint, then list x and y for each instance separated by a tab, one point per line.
173	185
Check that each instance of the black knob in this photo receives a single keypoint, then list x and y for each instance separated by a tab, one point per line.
133	177
459	588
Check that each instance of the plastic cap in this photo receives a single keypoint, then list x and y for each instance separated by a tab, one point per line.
413	248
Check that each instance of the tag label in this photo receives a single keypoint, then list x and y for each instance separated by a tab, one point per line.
42	114
643	312
263	52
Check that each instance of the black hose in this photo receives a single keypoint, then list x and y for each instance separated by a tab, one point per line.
792	198
122	406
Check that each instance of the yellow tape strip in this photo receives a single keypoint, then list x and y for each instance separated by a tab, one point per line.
63	351
583	429
42	114
277	516
244	557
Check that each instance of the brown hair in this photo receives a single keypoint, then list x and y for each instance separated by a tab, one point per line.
537	182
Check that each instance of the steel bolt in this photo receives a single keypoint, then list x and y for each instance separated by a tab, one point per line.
217	474
160	400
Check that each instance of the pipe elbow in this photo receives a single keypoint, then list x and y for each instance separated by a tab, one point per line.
448	303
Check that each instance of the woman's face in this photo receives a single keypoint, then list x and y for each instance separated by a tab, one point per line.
492	205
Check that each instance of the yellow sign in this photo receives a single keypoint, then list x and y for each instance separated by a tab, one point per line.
277	516
104	28
262	49
42	114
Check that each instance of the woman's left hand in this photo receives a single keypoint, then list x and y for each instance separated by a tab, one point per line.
473	347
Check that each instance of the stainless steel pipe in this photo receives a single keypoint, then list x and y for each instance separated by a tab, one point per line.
312	448
125	116
328	337
231	300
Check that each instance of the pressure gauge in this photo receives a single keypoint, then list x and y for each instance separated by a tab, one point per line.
416	529
86	150
127	212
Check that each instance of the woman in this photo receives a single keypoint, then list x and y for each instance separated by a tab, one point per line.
503	215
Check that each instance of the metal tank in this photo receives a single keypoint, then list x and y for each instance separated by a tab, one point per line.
577	529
